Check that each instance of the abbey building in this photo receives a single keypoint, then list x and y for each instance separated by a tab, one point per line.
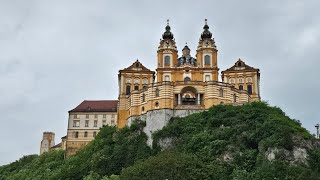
182	84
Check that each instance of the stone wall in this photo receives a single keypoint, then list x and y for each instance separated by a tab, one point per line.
157	119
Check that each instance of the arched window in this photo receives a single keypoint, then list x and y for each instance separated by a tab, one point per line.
144	87
156	104
157	92
207	60
142	109
249	80
128	89
241	87
136	87
234	97
85	134
187	79
240	80
94	134
221	92
249	89
167	60
143	97
231	80
137	65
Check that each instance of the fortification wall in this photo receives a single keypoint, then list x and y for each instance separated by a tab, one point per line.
157	119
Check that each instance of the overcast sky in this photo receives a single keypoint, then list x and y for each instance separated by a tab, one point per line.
55	54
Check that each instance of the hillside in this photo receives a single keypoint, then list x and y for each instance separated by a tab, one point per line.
253	141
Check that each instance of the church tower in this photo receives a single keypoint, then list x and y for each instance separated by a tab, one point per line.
207	54
167	55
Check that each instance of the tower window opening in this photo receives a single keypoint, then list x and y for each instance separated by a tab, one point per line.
137	65
207	60
143	97
167	60
157	92
221	92
249	89
128	89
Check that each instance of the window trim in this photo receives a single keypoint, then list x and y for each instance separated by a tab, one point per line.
205	62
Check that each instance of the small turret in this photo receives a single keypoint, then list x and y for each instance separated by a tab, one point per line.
206	34
167	34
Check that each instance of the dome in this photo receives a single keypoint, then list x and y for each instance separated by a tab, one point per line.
206	33
167	34
186	48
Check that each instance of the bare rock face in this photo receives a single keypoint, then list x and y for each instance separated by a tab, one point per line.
227	157
166	143
298	154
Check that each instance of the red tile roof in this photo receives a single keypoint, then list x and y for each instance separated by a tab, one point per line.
97	106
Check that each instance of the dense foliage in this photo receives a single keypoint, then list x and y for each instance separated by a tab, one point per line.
225	142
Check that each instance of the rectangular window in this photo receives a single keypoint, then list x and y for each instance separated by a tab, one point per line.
86	134
104	116
207	77
75	116
75	134
94	134
136	87
76	123
112	116
104	122
96	116
249	88
167	60
87	116
95	124
112	122
128	89
86	124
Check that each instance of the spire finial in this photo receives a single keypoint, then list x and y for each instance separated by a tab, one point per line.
205	21
168	22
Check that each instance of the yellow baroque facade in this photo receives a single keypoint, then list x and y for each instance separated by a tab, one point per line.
183	84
